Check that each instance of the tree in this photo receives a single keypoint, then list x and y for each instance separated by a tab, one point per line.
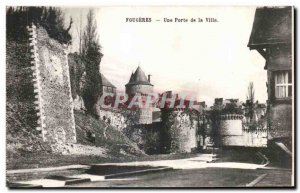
80	34
91	55
251	92
250	99
167	121
51	18
90	36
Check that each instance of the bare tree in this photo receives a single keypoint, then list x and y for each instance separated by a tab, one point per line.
251	98
90	36
251	92
80	34
91	54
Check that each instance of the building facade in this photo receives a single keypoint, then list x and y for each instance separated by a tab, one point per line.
107	86
271	36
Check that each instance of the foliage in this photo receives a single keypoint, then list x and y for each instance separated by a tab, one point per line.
77	69
152	142
90	36
167	119
51	18
91	56
231	108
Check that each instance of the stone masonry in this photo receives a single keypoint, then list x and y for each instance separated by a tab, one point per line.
52	88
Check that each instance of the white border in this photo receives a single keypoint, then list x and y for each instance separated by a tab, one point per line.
5	3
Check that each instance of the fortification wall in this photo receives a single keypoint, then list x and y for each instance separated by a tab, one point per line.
52	88
145	116
231	125
131	90
234	133
183	132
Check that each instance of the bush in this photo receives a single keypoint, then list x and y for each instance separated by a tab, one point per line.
51	18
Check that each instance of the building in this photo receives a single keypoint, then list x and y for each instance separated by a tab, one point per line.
107	86
271	36
139	84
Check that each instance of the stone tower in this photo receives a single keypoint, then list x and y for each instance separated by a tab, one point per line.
140	84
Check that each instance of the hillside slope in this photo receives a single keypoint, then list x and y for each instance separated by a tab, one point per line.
26	150
93	132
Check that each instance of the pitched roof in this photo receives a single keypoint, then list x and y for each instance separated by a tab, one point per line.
105	81
272	25
138	77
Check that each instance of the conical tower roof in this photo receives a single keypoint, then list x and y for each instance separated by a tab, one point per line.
131	77
138	78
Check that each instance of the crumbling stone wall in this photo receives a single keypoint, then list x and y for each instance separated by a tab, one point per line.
52	88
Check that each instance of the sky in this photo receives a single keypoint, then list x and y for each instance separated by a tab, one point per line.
202	59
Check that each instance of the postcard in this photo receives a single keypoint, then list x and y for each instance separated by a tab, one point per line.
150	97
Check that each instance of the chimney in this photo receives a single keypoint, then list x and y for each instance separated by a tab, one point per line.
149	75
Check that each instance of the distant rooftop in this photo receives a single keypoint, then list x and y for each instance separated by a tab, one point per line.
105	81
138	78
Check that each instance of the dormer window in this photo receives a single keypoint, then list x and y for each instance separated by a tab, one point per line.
283	84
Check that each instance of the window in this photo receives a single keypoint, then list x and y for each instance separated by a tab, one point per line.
283	84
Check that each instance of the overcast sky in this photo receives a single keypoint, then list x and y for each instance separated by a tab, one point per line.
208	60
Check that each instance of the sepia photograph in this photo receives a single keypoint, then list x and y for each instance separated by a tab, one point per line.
150	97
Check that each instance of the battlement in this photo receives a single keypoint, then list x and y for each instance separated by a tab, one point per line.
231	117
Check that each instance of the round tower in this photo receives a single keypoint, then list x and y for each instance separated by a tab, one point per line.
140	84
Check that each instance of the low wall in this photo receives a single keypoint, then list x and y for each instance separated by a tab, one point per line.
247	139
